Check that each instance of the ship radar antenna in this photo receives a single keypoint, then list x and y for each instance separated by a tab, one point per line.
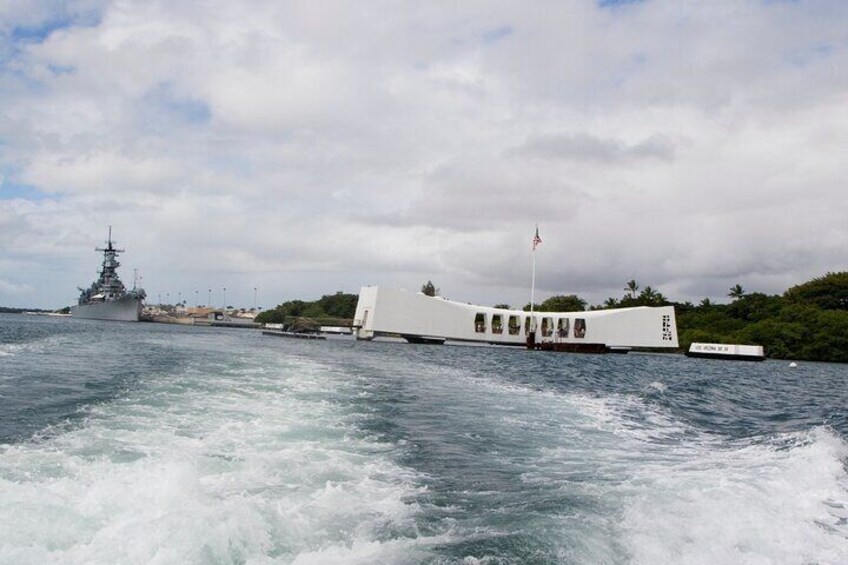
110	248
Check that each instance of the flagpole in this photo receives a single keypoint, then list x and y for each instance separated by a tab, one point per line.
536	241
533	285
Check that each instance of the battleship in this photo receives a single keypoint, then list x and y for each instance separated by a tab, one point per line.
107	298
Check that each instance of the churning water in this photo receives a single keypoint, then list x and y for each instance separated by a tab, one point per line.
145	443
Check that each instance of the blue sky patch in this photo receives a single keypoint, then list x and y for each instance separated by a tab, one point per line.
65	17
60	69
38	33
193	111
14	38
12	191
495	35
808	55
164	105
614	3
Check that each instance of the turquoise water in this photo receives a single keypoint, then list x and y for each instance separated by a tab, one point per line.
147	443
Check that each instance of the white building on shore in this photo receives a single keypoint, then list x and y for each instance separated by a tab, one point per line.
420	318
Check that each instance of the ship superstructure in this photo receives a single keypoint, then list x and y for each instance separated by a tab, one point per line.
107	298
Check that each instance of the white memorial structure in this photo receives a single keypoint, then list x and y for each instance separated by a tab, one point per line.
426	319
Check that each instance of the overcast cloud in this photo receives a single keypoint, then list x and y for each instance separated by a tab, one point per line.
308	147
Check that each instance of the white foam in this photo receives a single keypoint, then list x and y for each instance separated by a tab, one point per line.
668	493
11	349
233	465
762	503
36	345
658	386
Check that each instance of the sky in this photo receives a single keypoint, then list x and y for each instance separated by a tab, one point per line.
305	148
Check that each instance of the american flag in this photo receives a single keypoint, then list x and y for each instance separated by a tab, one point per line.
536	239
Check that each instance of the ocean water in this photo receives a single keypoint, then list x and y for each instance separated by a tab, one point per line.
147	443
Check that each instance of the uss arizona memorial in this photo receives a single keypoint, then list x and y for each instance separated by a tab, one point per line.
422	319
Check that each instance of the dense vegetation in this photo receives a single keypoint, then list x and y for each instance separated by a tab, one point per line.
337	306
570	303
808	322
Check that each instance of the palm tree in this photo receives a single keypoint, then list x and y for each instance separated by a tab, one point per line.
648	294
736	292
706	302
610	303
632	287
429	289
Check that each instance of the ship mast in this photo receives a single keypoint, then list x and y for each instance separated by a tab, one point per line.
109	248
109	283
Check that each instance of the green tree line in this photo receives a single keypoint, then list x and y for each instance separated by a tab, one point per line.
330	306
807	322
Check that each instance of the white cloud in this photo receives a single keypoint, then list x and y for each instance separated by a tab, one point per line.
690	145
15	289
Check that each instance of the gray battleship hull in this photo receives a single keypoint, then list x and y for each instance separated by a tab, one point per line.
124	309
